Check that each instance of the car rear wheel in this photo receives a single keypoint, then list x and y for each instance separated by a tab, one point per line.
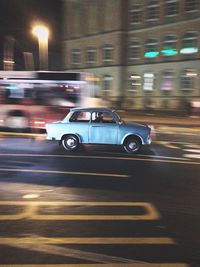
70	142
132	145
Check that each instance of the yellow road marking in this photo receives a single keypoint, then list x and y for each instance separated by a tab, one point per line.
101	265
31	211
86	240
66	172
136	158
179	129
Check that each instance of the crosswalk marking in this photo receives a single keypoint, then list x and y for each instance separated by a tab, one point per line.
191	151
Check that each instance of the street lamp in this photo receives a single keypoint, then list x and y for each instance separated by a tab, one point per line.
42	33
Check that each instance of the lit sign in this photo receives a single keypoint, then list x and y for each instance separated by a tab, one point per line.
189	50
151	54
169	52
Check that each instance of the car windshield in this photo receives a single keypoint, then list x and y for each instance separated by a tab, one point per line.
118	117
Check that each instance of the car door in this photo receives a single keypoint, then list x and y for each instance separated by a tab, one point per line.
103	132
79	125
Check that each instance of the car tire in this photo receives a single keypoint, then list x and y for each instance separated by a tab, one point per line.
70	142
132	145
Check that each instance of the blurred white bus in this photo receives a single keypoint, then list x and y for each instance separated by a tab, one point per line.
30	99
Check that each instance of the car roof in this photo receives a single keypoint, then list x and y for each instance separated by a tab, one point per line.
90	109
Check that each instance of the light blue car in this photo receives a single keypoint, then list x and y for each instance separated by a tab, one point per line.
98	126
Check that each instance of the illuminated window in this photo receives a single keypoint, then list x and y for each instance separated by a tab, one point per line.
169	46
148	81
91	55
152	10
167	80
191	5
190	43
134	82
76	56
135	14
188	79
151	50
108	53
134	50
107	82
171	7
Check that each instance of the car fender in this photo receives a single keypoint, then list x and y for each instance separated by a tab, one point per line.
131	134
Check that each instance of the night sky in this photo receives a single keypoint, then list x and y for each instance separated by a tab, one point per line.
16	19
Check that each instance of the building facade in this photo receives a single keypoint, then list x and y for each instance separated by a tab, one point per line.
144	54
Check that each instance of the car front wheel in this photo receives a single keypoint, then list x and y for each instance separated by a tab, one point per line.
70	142
132	145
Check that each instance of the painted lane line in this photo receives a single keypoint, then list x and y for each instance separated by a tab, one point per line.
87	240
101	265
192	156
66	172
195	146
91	157
162	157
72	253
192	153
192	150
160	160
32	209
48	245
167	144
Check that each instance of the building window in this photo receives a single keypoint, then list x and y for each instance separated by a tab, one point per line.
169	45
152	10
191	5
171	8
148	81
188	79
190	43
91	55
134	82
76	57
151	50
108	53
167	80
134	50
135	14
107	82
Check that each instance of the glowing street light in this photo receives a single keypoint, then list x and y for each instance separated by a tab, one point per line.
42	33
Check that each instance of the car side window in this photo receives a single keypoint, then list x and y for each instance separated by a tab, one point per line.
102	117
80	116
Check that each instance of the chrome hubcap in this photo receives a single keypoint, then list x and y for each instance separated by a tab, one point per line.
71	142
132	145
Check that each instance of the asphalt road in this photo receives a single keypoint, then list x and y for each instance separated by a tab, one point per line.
99	206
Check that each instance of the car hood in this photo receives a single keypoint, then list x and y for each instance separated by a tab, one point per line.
135	125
